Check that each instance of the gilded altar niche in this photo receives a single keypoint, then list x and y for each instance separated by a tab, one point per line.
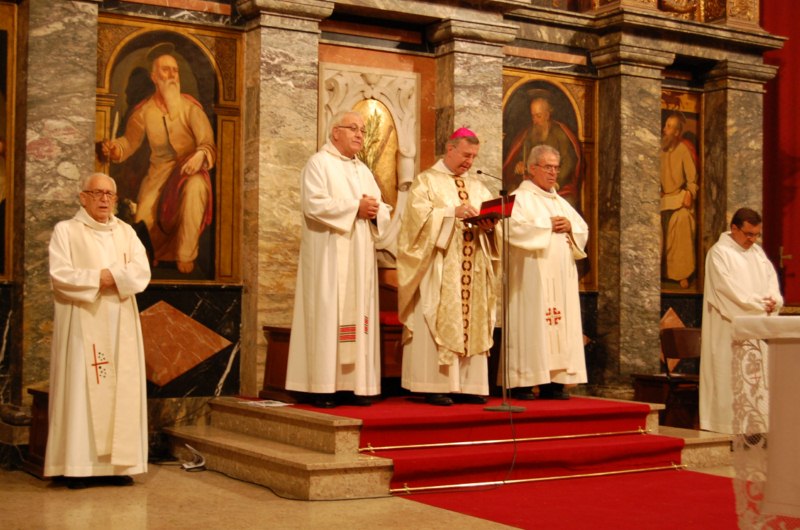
389	103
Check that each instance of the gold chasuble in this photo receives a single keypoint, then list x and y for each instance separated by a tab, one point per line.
446	269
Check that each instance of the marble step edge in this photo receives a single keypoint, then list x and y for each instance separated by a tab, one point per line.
702	449
317	431
695	437
206	438
289	471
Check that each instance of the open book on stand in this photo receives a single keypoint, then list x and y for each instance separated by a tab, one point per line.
493	209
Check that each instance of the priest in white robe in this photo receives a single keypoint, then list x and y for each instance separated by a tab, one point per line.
740	281
335	339
447	288
98	403
546	237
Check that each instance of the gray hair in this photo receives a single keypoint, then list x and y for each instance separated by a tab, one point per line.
337	120
472	140
85	181
539	151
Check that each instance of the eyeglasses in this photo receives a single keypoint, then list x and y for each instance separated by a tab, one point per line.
353	128
550	168
748	235
99	194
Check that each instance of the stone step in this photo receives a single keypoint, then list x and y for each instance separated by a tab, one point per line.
311	430
703	449
290	471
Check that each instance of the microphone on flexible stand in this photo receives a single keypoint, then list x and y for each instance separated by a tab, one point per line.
504	405
503	190
482	172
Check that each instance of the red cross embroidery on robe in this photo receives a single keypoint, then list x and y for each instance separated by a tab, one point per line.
553	316
100	370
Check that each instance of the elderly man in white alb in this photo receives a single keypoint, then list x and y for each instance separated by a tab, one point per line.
740	281
546	237
334	345
98	404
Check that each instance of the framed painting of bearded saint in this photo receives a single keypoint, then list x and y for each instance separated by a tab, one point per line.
680	179
168	121
558	111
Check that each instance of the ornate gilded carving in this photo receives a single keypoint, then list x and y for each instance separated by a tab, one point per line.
225	52
743	9
108	38
715	9
686	9
732	11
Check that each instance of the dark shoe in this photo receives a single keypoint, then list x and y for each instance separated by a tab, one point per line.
118	480
324	401
553	391
523	393
361	401
439	400
469	399
77	483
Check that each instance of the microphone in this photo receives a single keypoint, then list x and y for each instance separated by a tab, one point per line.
503	190
482	172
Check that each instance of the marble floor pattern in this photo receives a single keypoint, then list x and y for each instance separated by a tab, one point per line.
168	497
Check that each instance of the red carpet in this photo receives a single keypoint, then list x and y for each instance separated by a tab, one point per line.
656	500
404	421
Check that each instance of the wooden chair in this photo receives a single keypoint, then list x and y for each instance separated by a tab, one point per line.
681	347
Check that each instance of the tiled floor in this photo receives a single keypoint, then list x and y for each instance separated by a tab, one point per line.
171	498
168	497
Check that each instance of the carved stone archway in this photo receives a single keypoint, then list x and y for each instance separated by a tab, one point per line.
343	86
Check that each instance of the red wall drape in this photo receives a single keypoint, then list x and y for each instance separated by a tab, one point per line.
781	208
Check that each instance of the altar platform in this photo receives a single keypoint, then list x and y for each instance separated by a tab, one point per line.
400	445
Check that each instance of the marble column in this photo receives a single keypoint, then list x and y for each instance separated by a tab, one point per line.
733	161
629	230
280	124
60	124
469	85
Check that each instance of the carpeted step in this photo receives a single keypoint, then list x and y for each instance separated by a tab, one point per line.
409	421
551	458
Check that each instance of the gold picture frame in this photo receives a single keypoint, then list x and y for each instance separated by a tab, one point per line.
570	105
681	179
210	76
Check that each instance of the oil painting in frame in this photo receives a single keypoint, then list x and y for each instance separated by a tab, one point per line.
557	110
680	179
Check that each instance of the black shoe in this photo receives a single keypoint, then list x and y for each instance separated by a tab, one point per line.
324	401
361	401
77	483
114	480
118	480
553	391
439	400
523	393
469	399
